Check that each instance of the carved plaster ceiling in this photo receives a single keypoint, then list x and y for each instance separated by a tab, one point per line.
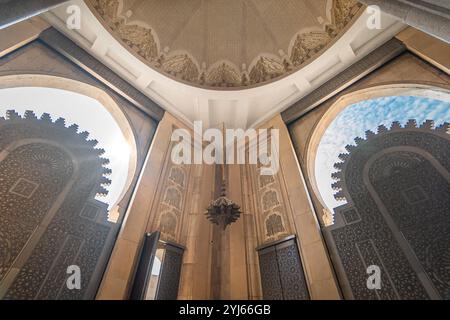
216	94
226	43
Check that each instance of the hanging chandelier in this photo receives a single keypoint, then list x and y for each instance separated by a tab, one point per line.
223	211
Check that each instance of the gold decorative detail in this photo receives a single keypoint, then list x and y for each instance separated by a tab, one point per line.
177	176
274	225
270	200
168	224
266	69
106	8
306	45
223	75
181	66
143	41
265	180
173	197
139	39
343	12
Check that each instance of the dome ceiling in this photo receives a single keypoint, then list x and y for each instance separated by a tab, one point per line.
226	43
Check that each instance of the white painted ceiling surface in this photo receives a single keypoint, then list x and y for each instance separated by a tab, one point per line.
237	108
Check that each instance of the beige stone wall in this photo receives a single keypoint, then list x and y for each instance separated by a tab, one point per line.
408	74
36	65
427	47
241	278
300	219
20	34
195	282
221	264
145	214
150	203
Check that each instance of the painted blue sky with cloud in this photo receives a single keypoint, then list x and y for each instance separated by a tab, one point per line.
356	119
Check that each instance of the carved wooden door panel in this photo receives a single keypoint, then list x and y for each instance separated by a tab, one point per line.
158	271
170	273
145	266
282	275
270	278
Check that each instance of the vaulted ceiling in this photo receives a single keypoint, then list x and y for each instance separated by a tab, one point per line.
237	62
226	43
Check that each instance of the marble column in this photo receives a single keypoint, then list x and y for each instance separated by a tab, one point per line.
430	16
13	11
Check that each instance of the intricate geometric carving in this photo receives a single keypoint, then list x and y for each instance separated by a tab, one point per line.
139	39
177	176
5	253
90	211
396	180
170	275
415	194
351	216
292	276
282	275
274	225
224	75
223	211
391	49
173	197
168	223
265	180
52	172
343	12
306	45
180	64
24	188
272	215
266	69
270	279
270	200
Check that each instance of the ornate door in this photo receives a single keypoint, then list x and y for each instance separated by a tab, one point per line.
158	271
282	275
397	185
145	266
50	219
170	273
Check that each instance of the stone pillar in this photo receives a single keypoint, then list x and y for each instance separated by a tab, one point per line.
251	236
229	275
238	278
313	251
195	282
118	276
13	11
431	16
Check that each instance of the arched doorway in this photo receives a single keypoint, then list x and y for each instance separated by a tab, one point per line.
54	181
84	105
391	186
355	113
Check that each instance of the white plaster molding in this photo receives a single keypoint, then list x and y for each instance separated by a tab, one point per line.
187	102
